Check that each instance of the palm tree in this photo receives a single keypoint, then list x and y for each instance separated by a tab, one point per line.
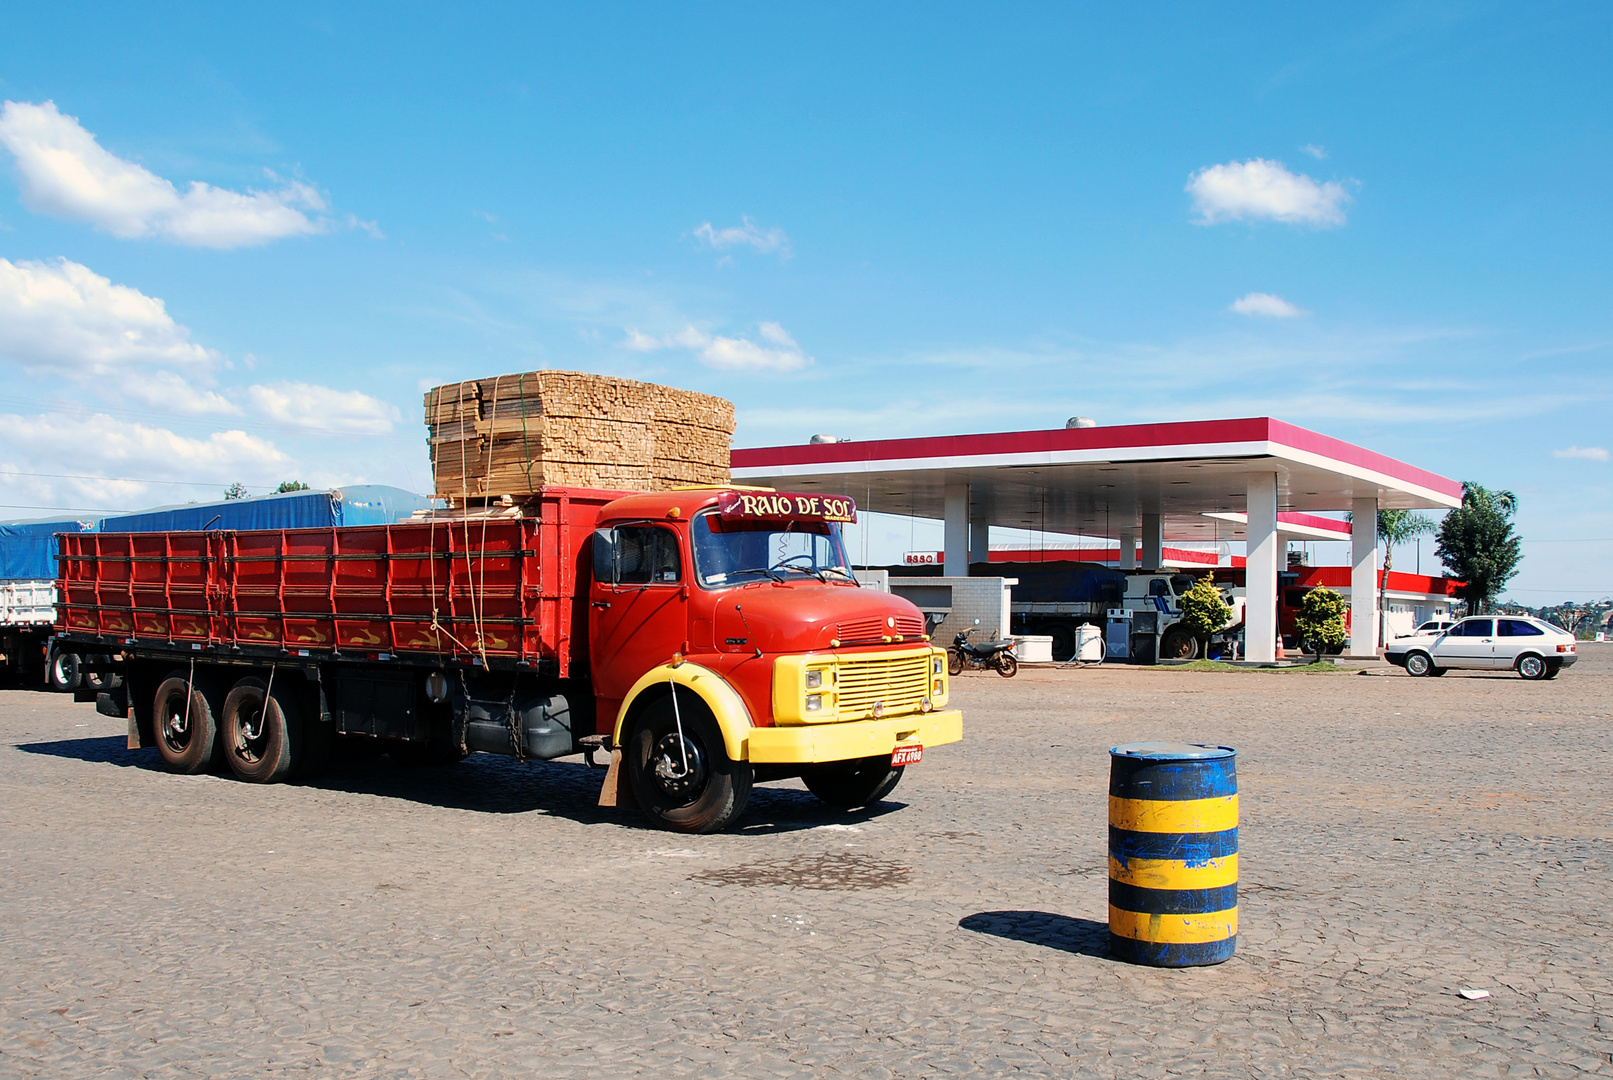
1396	527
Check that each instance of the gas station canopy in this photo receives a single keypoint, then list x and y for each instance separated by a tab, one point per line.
1255	480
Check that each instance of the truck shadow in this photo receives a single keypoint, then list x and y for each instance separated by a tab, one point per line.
1066	933
491	784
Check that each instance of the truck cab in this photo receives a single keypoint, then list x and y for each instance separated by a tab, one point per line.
729	642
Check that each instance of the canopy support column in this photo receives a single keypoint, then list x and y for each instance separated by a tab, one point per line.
1260	594
1153	541
979	539
1128	549
1363	578
956	536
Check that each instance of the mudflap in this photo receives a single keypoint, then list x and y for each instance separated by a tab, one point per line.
616	791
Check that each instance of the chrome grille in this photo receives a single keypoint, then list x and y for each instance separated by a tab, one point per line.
899	683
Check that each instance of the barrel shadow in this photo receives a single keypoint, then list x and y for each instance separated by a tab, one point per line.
1067	933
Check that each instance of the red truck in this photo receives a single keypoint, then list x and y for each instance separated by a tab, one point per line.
709	639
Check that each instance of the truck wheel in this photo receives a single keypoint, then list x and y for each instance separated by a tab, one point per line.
62	675
1178	644
187	735
689	786
848	785
262	735
1007	665
1063	636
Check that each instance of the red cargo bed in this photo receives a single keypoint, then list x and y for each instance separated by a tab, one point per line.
503	587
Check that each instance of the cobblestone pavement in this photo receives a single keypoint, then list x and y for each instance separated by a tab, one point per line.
1402	840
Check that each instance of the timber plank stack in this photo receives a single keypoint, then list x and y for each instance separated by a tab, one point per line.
516	434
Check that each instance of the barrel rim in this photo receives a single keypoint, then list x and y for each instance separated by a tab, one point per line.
1172	751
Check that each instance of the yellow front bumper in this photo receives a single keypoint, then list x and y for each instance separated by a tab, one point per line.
852	739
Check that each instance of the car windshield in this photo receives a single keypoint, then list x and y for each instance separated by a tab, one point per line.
734	552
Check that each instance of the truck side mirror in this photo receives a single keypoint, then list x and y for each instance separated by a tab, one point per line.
605	556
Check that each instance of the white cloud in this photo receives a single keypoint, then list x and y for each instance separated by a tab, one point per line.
1317	152
65	172
746	234
1267	306
779	353
1241	190
1589	453
322	409
61	318
173	393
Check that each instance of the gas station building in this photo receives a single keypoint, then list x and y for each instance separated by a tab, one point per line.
1259	480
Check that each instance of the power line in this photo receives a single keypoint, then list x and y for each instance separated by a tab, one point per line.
115	479
66	509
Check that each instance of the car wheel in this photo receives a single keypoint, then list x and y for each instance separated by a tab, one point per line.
1531	667
1418	663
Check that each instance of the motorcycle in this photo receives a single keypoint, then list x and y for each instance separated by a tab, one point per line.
996	654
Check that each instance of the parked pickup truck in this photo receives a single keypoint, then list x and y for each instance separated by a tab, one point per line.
708	639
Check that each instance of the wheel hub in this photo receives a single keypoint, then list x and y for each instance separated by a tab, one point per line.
679	768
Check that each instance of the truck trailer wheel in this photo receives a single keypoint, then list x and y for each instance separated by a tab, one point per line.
187	734
688	785
261	734
847	785
62	674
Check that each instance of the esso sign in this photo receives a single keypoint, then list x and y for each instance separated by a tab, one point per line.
921	558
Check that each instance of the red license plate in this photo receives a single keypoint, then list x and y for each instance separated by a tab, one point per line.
910	754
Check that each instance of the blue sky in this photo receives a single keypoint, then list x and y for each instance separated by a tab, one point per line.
238	244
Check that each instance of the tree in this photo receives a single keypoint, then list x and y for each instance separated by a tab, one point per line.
1477	546
1205	610
1395	527
1320	621
236	490
291	485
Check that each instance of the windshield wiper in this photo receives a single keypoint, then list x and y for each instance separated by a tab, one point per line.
775	575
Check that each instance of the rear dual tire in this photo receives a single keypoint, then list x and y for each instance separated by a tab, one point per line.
186	732
261	731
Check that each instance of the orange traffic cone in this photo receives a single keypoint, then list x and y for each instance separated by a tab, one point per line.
1281	655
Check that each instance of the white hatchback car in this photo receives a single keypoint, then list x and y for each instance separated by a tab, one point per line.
1535	649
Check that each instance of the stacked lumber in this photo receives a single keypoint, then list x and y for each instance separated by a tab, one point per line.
515	434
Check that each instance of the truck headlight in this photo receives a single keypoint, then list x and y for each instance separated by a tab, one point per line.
935	665
814	703
814	678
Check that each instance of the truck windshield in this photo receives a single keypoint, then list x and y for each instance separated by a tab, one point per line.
734	552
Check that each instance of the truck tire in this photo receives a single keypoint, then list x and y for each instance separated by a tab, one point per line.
62	675
1178	644
706	798
187	735
1063	635
849	785
261	737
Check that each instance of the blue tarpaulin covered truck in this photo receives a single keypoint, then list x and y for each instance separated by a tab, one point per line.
28	557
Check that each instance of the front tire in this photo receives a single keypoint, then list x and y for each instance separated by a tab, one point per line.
689	786
187	735
1531	667
262	733
850	785
1178	644
1007	665
1419	664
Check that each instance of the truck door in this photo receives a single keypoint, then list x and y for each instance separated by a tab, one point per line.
637	606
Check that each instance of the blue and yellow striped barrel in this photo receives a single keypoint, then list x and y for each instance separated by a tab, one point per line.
1173	854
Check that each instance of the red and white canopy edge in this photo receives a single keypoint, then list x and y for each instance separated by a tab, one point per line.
1184	482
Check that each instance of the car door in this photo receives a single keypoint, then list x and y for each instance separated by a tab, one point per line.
1468	644
1514	636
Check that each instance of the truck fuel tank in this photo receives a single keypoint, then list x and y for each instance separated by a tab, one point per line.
543	723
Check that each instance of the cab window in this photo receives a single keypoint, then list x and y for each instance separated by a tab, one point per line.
638	555
1159	587
1519	628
